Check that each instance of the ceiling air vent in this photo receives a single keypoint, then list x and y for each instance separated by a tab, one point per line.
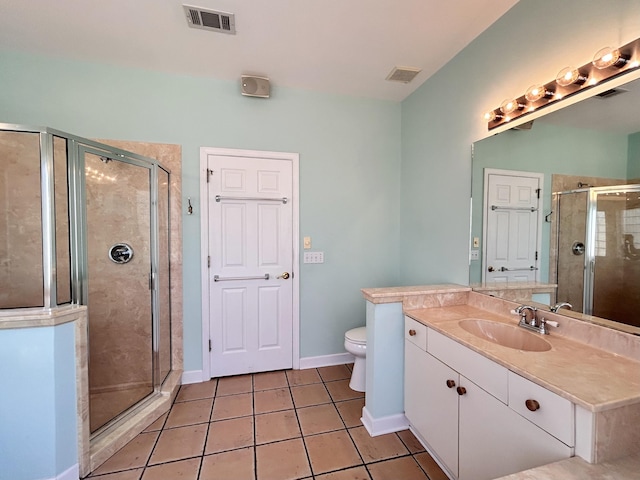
403	74
210	19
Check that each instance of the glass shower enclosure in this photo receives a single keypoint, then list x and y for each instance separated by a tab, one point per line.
84	223
599	251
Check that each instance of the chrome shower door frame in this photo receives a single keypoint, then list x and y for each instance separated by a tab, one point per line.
590	250
77	149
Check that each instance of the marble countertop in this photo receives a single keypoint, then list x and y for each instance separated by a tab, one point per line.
575	468
596	379
490	286
397	294
39	317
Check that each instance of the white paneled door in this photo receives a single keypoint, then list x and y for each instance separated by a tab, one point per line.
512	221
251	264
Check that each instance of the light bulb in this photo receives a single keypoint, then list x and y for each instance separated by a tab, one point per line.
492	116
536	92
568	76
608	57
510	106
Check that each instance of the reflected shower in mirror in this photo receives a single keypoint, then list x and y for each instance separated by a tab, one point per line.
587	221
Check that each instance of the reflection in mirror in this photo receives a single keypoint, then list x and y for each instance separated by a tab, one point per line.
585	230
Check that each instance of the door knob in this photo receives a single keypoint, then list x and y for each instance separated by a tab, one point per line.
285	275
491	269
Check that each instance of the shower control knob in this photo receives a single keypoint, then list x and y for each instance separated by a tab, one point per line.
121	253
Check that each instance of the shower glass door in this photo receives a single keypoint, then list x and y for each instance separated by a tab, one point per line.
614	224
117	289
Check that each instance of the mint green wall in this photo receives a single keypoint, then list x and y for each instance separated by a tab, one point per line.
440	121
349	168
633	170
545	149
38	419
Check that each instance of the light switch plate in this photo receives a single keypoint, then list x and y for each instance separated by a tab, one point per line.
475	255
306	243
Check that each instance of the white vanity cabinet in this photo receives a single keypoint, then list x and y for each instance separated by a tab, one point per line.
459	404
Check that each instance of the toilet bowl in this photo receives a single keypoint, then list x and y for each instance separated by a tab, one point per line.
355	342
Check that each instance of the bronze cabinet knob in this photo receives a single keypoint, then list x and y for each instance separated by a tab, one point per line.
461	390
532	405
412	332
451	383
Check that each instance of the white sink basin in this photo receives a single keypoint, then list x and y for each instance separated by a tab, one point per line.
506	335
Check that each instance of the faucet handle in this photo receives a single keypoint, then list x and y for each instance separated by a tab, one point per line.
543	325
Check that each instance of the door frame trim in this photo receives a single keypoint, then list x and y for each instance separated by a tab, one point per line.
294	158
485	209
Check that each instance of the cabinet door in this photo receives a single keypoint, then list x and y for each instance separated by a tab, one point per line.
415	385
496	441
435	414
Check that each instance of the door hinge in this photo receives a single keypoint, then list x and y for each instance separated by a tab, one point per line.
209	173
538	192
208	261
209	344
536	255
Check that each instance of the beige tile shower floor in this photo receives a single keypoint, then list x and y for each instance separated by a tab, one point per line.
286	425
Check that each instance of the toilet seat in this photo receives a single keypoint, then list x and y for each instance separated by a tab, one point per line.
357	335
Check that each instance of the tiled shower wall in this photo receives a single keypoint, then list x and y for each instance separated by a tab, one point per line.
21	282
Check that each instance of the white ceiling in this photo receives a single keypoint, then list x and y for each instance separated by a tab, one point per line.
337	46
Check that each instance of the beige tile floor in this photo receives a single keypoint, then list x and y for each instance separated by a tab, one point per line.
285	425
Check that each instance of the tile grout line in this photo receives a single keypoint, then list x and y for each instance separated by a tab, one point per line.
255	435
304	444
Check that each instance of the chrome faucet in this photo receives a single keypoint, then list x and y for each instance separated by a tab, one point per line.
558	306
534	324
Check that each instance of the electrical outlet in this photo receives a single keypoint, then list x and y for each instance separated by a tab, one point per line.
313	257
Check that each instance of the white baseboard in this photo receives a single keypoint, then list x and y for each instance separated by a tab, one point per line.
382	425
193	376
71	473
326	360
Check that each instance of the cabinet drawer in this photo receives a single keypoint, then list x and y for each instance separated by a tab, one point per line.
415	332
552	413
479	369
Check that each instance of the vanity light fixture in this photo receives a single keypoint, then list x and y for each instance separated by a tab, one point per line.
568	82
536	92
569	76
609	57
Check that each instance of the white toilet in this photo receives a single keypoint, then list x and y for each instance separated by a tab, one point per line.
355	342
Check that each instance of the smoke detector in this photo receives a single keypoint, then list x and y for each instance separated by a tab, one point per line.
213	20
403	74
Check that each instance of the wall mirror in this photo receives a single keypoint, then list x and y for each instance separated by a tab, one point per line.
584	233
